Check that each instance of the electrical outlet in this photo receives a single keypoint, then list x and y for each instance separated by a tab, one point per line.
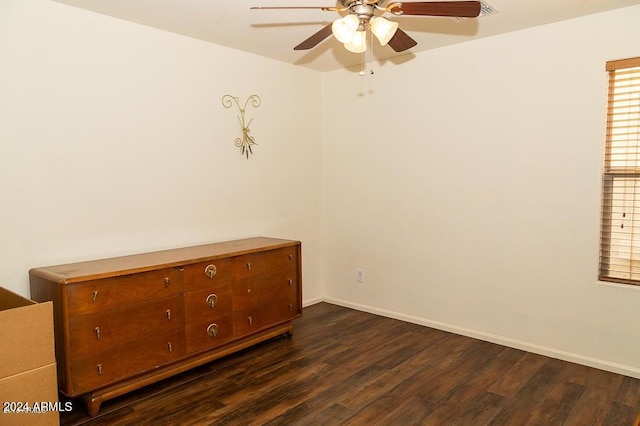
360	275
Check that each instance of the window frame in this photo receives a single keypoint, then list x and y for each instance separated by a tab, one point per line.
612	173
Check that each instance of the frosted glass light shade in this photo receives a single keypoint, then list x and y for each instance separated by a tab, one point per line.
345	28
383	29
358	44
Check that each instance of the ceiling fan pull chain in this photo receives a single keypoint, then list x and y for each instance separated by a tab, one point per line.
371	55
371	58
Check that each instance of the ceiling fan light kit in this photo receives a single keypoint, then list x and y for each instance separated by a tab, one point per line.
344	29
383	29
351	29
358	43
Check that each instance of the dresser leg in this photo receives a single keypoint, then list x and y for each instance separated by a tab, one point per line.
92	404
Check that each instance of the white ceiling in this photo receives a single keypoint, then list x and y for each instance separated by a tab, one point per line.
274	33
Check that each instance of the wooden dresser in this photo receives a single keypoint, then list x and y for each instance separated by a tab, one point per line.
126	322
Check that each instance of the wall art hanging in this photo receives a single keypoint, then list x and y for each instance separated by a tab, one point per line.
246	141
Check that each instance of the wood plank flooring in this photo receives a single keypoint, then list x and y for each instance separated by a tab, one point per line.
345	367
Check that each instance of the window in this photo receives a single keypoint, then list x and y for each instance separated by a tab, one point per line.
620	227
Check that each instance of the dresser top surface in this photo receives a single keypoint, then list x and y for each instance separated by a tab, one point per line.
115	266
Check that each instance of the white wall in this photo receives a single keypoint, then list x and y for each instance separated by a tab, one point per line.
114	140
466	183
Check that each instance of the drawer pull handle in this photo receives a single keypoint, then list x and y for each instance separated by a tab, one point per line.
248	266
99	368
95	296
168	314
166	282
212	330
210	271
290	257
290	307
170	347
212	299
250	321
290	282
98	333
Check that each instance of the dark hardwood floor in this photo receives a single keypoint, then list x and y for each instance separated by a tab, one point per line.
345	367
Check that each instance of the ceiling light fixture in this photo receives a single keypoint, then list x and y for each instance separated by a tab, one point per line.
361	16
351	29
358	43
344	29
383	29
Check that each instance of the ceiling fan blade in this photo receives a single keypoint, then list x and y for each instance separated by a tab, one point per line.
460	9
401	41
314	39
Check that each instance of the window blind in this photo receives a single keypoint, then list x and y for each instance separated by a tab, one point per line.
620	216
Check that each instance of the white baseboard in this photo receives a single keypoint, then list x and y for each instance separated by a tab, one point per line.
313	301
517	344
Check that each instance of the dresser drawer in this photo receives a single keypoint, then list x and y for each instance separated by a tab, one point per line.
207	304
279	311
249	321
101	331
244	294
245	322
125	361
277	286
256	264
206	274
98	295
209	334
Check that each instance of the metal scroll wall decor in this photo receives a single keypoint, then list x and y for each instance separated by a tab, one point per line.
246	141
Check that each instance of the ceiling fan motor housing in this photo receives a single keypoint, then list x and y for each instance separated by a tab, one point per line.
363	9
349	3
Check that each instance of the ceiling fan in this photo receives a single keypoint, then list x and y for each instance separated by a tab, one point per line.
365	15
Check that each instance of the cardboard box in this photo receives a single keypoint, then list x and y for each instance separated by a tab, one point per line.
28	383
